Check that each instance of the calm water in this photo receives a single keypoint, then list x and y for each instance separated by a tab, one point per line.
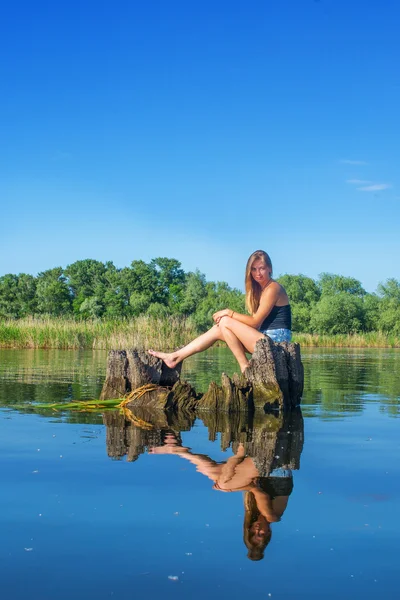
96	507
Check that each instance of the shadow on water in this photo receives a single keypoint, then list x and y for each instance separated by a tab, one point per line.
266	449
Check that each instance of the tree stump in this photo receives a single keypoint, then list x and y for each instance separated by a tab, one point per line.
116	384
231	396
275	374
273	379
129	369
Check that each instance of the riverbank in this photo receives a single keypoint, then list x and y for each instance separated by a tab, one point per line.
147	332
69	334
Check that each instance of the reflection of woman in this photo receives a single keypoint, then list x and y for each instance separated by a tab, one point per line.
268	305
256	528
265	498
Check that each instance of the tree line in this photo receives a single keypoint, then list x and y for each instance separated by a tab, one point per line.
161	288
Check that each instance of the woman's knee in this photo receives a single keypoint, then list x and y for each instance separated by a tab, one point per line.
226	323
218	332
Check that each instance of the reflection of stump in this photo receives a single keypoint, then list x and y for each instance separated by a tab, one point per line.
273	379
272	441
274	445
125	438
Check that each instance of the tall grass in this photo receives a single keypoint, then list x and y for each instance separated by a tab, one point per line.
147	332
372	339
161	333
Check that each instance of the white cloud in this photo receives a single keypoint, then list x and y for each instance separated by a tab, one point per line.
358	181
376	187
353	162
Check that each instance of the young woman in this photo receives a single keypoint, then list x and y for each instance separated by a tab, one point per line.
269	314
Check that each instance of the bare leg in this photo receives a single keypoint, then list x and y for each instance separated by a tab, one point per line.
246	338
235	346
204	341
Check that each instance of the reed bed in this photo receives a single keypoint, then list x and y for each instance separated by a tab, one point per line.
372	339
69	334
164	333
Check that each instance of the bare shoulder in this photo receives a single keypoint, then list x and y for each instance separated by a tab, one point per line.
273	289
277	290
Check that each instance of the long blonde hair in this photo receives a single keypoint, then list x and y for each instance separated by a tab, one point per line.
251	514
253	288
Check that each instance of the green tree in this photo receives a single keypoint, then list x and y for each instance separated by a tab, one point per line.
52	293
8	294
91	308
139	302
157	310
171	279
218	296
194	292
372	309
17	295
303	293
26	294
141	278
390	290
389	313
340	313
330	284
88	279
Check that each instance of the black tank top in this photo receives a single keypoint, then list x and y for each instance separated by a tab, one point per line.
280	317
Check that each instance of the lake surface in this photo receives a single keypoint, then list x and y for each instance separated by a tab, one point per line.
97	506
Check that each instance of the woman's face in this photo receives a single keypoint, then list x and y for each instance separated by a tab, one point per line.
260	272
259	530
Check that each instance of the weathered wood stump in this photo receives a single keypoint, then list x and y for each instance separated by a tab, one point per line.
273	379
275	374
232	396
129	369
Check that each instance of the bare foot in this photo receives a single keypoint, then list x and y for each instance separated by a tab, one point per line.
170	446
244	367
167	450
170	360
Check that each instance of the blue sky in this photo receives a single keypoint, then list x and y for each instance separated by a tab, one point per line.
201	131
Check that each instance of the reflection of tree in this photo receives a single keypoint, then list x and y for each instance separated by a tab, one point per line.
343	380
50	375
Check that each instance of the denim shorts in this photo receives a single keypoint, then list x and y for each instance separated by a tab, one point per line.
278	335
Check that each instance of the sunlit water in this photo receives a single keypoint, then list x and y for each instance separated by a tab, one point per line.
91	511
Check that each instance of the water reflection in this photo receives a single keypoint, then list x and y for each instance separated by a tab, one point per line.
266	449
337	381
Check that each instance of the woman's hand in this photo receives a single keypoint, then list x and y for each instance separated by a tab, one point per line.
227	312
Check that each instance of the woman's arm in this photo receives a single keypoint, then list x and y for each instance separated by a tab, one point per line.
268	300
265	505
